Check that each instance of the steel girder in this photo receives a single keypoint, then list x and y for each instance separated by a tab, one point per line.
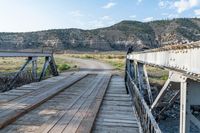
184	59
183	63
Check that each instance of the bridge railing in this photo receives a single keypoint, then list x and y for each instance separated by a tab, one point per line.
147	120
182	62
32	58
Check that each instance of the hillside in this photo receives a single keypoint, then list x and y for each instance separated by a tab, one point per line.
117	37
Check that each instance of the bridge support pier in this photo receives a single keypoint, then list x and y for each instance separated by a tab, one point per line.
189	99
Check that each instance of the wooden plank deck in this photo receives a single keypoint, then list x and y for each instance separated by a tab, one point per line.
13	109
92	104
116	113
25	89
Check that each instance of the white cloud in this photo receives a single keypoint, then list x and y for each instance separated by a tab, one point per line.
161	4
183	5
139	1
179	5
76	13
165	4
132	16
109	5
197	13
148	19
106	18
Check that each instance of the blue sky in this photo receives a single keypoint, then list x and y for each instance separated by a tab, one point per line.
33	15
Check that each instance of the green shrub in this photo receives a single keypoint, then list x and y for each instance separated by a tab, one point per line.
89	57
63	67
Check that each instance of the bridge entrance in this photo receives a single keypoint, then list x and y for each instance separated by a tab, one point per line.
100	101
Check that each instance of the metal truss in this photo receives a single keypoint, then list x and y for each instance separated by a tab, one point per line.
31	58
183	64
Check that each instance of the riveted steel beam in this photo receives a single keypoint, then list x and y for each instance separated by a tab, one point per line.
184	58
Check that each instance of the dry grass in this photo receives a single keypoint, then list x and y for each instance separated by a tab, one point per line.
157	76
9	65
117	60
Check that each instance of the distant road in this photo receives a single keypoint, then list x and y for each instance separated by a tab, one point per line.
91	65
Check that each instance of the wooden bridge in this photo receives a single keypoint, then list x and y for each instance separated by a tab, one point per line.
71	102
104	102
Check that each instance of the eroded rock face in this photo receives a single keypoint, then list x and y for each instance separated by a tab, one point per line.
117	37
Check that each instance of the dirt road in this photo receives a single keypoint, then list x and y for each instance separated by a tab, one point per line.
88	65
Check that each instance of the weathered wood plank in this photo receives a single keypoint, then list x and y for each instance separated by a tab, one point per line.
87	122
106	120
19	129
116	113
117	103
5	98
113	115
79	115
50	108
116	108
76	120
42	91
109	129
58	125
117	95
116	124
124	99
26	104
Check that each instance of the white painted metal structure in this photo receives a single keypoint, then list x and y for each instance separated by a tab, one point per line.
183	58
183	63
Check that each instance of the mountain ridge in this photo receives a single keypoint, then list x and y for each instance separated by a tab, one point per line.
140	35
